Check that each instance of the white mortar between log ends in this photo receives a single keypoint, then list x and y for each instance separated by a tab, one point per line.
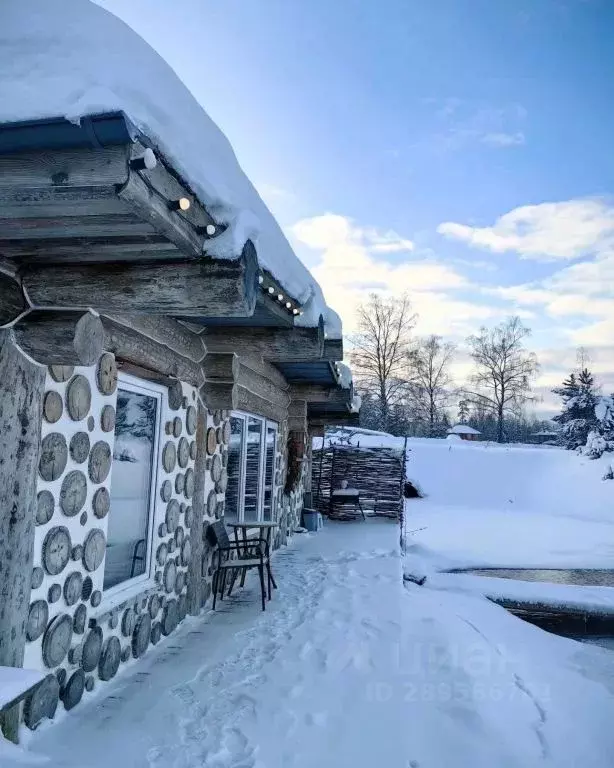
173	597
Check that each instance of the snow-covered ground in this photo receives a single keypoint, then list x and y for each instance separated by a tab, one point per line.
514	506
346	667
349	667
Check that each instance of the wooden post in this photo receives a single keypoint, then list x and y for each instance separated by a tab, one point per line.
319	493
195	581
22	385
68	338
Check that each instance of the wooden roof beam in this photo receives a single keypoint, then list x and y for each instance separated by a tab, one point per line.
201	287
335	420
316	393
333	349
276	345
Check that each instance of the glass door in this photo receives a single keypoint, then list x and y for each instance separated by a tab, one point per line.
253	460
269	472
234	492
250	495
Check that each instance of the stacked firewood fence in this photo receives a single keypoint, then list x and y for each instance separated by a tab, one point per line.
377	473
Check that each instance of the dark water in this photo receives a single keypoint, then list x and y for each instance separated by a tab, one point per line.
591	628
568	621
584	577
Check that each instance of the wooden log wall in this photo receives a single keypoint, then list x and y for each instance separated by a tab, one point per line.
21	399
378	473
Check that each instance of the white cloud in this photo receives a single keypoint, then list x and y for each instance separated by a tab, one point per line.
352	266
563	230
501	139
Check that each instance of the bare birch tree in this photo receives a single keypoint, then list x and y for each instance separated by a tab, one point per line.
431	385
503	370
380	354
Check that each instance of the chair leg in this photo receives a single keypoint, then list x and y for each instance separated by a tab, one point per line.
215	587
268	579
273	582
232	580
262	590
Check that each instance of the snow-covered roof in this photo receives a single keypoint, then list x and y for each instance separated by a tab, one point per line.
463	429
71	58
345	375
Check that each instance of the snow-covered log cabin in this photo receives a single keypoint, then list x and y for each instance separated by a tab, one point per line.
164	355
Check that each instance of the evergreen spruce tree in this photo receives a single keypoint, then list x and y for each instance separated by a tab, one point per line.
601	437
577	418
464	411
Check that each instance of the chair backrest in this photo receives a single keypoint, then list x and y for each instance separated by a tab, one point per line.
217	535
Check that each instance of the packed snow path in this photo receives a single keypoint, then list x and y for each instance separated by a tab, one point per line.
290	687
346	668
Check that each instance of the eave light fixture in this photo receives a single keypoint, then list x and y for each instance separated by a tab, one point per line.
182	204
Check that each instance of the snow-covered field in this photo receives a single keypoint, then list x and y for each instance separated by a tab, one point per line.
514	506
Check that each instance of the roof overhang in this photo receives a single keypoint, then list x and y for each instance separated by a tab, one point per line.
95	195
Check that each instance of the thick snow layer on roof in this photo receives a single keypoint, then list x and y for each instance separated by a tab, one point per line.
345	375
463	429
71	58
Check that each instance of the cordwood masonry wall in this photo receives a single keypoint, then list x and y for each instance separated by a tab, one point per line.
74	631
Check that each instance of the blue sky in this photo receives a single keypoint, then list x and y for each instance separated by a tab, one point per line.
390	138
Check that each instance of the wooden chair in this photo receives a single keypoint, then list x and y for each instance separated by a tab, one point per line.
254	553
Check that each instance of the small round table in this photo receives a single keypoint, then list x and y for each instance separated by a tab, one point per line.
265	527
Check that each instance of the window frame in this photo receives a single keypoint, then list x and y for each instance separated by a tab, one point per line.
123	590
275	427
266	423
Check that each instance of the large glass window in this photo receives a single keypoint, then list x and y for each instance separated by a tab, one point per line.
132	484
235	468
251	469
253	461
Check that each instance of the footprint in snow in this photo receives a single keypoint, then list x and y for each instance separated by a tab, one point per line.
316	718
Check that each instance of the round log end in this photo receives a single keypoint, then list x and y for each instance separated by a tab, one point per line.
12	300
89	338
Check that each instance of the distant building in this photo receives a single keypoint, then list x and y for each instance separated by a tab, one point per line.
465	432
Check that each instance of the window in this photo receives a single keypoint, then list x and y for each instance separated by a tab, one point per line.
235	464
251	468
269	471
133	478
253	461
